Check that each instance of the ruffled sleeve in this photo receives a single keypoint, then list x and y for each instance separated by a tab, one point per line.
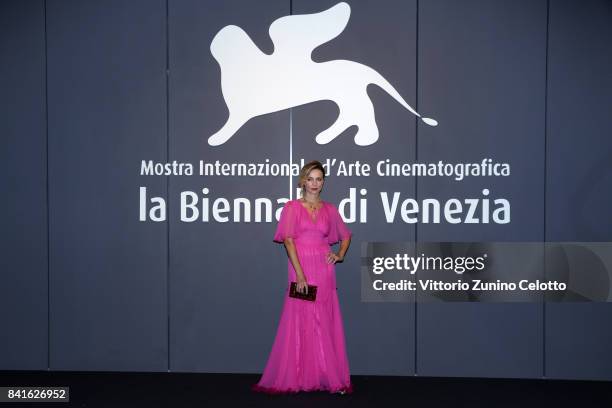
338	231
287	223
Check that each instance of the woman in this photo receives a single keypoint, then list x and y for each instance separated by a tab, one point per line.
309	352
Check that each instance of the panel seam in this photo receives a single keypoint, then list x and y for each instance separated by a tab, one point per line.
416	182
290	130
47	190
167	186
545	179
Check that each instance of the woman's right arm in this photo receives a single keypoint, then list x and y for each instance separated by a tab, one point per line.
302	285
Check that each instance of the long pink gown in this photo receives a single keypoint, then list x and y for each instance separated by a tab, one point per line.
309	351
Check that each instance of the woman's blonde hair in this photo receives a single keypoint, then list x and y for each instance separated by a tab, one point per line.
305	171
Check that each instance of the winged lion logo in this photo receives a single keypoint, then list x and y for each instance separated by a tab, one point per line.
254	83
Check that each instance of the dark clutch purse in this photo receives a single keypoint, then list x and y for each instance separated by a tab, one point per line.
311	295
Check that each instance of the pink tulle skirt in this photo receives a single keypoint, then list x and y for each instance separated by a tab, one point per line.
309	352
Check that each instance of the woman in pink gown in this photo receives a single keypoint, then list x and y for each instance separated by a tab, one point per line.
309	351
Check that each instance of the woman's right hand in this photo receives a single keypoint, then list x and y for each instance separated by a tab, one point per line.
301	284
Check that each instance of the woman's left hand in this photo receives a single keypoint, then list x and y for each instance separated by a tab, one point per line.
332	258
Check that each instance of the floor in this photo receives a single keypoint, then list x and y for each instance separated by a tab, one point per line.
105	389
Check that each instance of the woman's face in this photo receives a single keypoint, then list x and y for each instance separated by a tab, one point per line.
314	181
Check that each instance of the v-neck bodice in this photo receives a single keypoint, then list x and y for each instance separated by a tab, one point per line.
316	213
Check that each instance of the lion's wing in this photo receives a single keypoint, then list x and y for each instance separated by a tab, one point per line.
301	34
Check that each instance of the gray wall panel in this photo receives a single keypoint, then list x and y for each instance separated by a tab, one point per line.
227	280
107	112
482	73
23	264
579	175
381	35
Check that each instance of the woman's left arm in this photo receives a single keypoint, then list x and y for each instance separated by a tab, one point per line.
339	257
